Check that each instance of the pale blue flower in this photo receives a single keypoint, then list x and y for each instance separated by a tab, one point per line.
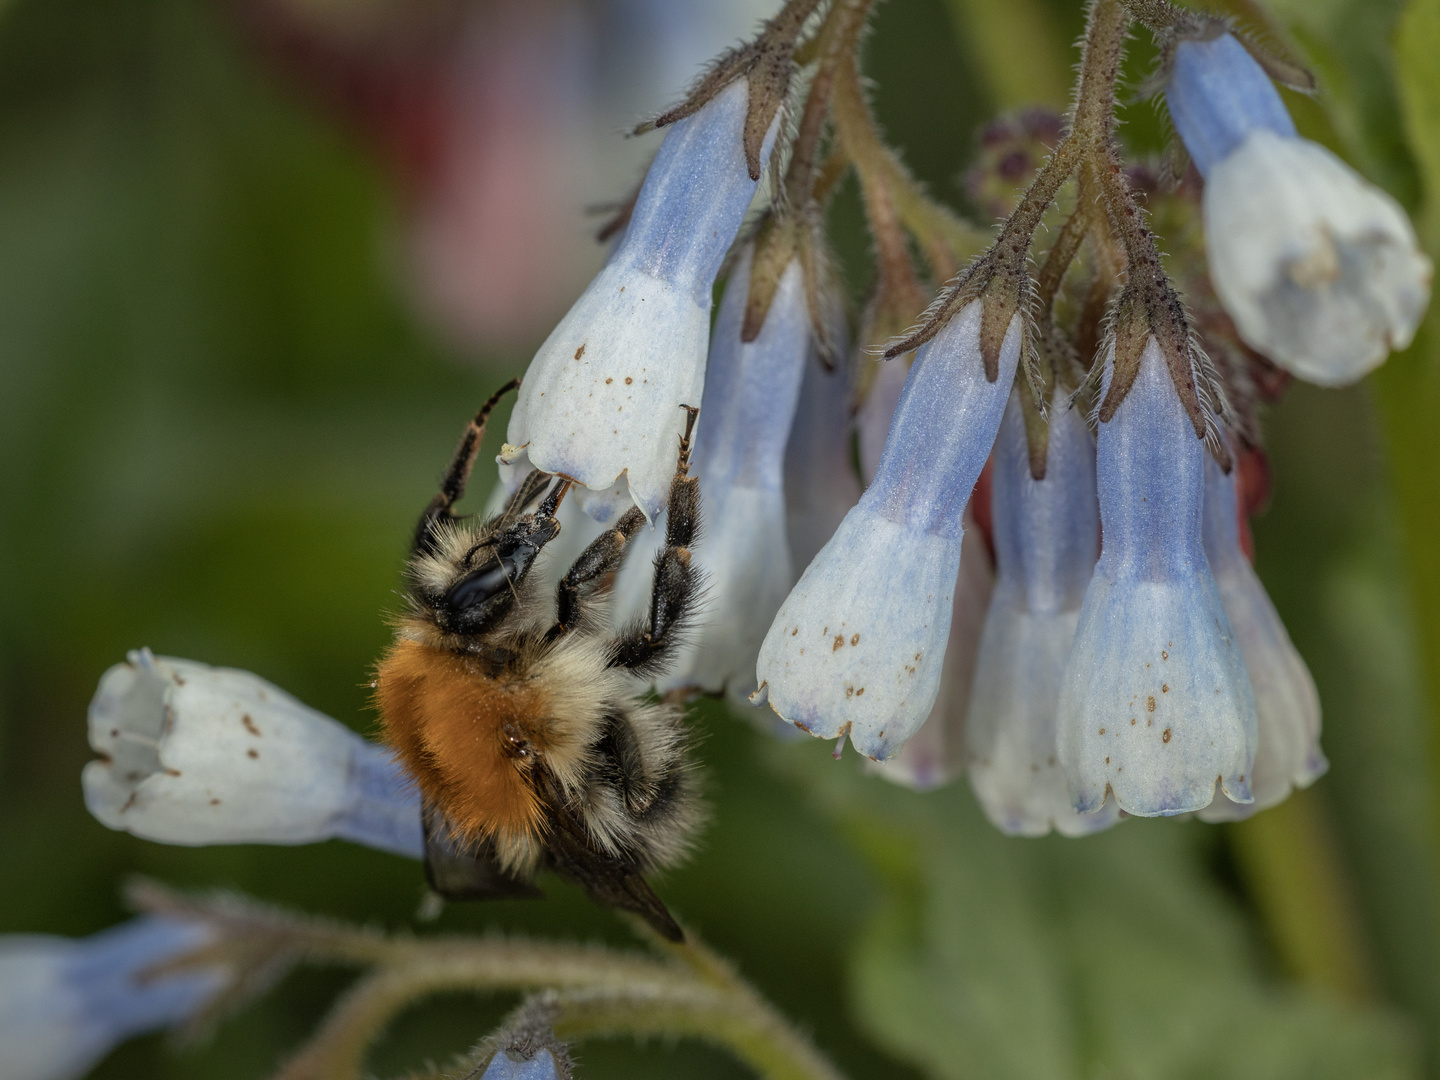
1047	539
65	1003
602	396
192	754
1155	707
1320	269
1287	705
857	647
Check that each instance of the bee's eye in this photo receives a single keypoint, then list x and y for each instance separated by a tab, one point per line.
472	591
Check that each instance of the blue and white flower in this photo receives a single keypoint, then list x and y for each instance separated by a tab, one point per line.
1155	708
1320	269
66	1003
602	397
857	647
751	391
1047	539
1287	705
935	755
192	754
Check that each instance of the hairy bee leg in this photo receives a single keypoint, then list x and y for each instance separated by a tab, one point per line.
452	485
644	647
596	563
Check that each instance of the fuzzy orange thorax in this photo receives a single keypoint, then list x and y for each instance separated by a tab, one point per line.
468	739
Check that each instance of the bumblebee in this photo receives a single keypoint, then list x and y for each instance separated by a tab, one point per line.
525	721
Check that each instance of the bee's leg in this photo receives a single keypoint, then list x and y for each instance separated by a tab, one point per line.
644	647
452	485
458	871
592	571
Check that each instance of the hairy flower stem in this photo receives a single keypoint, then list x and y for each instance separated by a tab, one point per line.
613	992
1148	306
756	1036
837	37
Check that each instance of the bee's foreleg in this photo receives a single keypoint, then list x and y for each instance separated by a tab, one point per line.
592	570
645	647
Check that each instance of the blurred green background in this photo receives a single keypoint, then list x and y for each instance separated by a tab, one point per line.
219	417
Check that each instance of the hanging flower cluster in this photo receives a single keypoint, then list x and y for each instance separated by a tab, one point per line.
1044	582
1126	659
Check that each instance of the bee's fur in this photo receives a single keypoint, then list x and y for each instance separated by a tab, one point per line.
522	718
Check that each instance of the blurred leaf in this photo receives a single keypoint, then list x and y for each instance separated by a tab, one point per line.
1111	956
1409	384
1022	47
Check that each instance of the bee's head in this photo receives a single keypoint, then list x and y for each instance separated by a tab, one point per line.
467	580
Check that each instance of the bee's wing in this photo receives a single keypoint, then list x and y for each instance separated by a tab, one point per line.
610	881
466	871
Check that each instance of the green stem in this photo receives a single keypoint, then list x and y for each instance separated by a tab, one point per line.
755	1034
1295	874
607	992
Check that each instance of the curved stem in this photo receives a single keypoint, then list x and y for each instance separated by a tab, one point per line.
337	1050
693	993
838	35
756	1035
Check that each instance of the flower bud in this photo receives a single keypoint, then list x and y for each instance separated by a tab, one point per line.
65	1003
1155	705
507	1066
857	647
1320	269
1047	538
751	390
1287	706
191	754
602	396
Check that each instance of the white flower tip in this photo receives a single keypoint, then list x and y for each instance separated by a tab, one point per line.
761	695
191	754
1155	705
859	642
510	453
1320	269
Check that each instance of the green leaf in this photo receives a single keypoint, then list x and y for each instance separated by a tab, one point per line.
1112	956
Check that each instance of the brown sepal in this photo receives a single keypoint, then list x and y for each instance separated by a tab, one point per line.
766	64
620	214
1032	407
1286	72
1131	332
999	305
776	244
822	296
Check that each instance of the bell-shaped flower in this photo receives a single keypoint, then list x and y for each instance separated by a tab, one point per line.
192	754
1047	538
751	391
935	755
602	397
1155	706
66	1003
857	647
1287	706
1320	269
820	482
